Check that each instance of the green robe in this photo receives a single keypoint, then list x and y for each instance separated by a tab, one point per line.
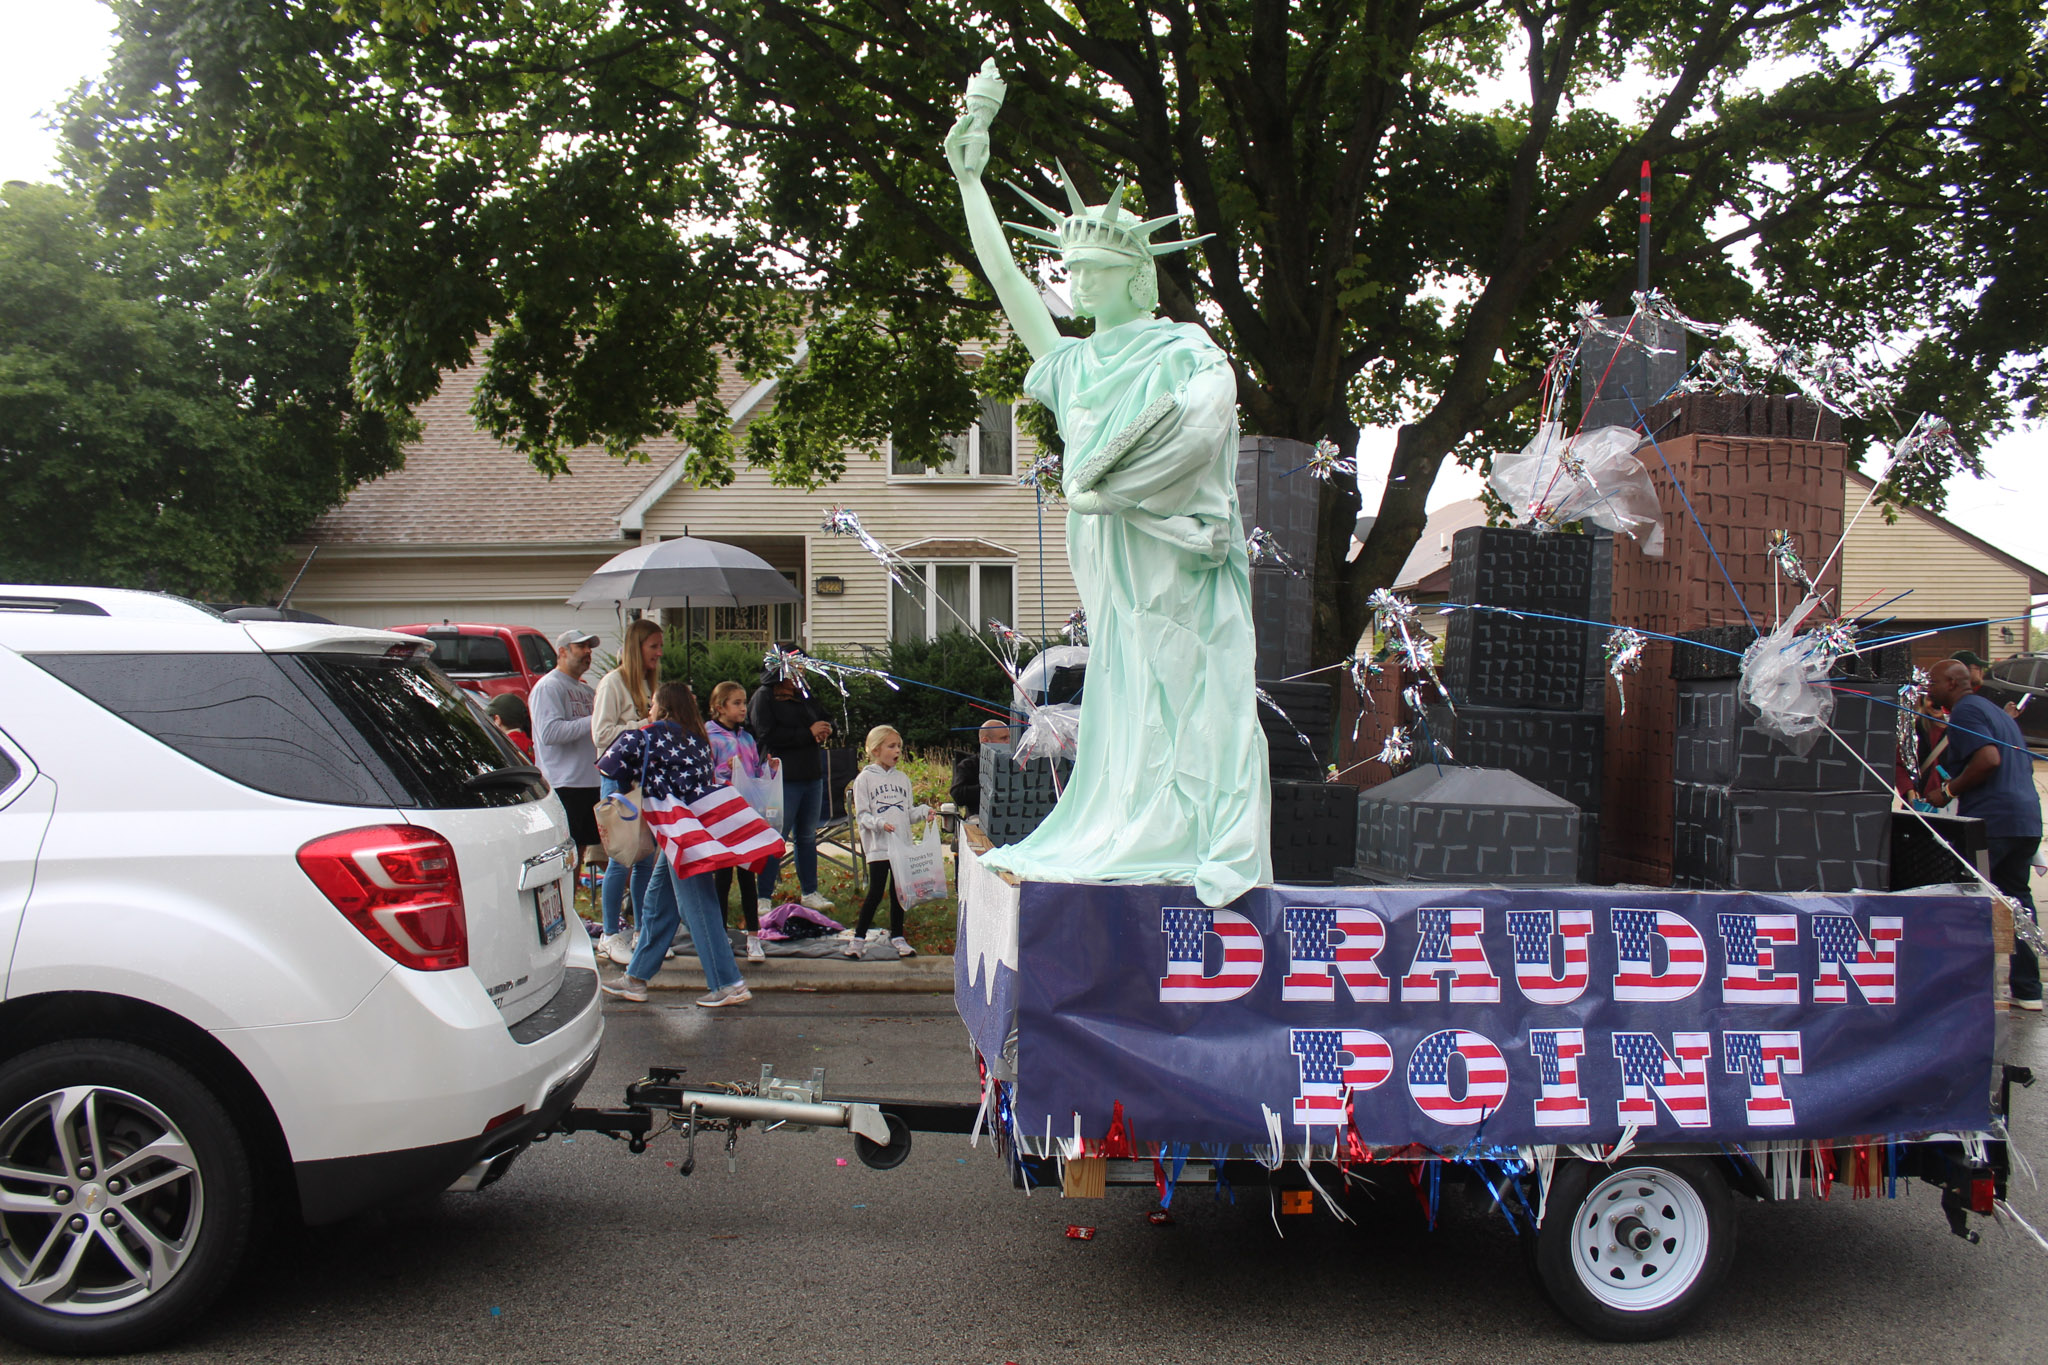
1170	778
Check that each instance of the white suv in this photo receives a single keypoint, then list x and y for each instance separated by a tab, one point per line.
285	928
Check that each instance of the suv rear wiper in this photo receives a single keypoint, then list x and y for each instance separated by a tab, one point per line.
523	776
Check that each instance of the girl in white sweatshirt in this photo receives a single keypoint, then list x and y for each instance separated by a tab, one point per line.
883	804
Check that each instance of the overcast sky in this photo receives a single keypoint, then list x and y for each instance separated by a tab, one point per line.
53	44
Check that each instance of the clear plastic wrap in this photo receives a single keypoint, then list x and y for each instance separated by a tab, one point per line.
1593	476
1785	682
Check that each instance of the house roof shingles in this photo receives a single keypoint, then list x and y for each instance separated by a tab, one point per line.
460	486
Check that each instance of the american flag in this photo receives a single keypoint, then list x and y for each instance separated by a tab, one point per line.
1764	1058
1429	1076
1449	942
1557	1062
716	830
1636	978
713	829
1873	963
1336	1062
1531	931
1187	929
1752	975
1680	1081
1345	937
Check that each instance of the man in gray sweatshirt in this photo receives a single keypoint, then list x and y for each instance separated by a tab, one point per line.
563	750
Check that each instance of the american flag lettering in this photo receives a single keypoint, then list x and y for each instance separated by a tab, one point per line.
1557	1052
1187	930
1431	1085
1635	977
1449	943
1347	938
1765	1058
1759	959
1650	1074
1873	963
1335	1063
1532	931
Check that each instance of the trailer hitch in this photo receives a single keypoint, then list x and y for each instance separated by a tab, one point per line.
660	1102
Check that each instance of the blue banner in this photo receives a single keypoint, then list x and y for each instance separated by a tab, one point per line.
1450	1017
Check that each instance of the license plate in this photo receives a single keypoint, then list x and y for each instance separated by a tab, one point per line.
548	906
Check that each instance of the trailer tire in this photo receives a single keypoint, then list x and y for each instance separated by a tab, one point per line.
1630	1252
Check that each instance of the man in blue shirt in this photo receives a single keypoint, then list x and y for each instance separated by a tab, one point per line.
1993	782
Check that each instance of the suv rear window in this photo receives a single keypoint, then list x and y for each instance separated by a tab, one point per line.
344	730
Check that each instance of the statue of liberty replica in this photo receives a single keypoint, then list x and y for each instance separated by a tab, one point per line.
1170	779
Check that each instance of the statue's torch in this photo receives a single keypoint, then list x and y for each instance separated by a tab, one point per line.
985	90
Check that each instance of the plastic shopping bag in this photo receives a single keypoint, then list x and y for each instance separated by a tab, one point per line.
764	794
919	868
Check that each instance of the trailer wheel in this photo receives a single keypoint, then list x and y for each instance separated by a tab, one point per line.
1628	1254
884	1156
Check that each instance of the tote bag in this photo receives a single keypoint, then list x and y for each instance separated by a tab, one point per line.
919	868
626	837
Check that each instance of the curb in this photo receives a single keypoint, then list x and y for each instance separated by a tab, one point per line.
915	975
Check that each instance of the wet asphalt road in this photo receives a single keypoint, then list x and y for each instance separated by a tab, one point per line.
585	1252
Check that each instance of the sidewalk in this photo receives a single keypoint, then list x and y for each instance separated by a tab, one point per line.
911	975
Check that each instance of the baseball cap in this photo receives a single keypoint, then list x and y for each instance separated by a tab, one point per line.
574	637
1964	656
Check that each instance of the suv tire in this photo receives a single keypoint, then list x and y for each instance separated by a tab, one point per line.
140	1205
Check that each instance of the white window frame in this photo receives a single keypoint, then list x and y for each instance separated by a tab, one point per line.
973	439
926	574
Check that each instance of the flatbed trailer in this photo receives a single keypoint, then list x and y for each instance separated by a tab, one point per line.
1611	1068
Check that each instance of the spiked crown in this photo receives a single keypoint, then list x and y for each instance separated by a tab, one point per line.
1107	228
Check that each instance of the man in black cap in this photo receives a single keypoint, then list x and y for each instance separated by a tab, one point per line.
1976	664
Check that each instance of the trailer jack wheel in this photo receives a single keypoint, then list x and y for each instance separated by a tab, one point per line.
1629	1253
884	1156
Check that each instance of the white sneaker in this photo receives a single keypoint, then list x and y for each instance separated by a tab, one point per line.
754	953
764	905
617	947
627	988
818	900
902	947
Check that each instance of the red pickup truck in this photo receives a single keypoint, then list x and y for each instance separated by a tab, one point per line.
488	659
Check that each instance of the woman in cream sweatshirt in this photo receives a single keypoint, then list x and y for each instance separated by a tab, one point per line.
623	697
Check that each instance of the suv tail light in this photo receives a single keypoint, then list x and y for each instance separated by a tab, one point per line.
398	885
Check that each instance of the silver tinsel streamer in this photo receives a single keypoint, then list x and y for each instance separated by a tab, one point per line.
1396	752
1266	700
1912	697
1076	629
1045	472
1264	550
1656	304
1783	547
1327	461
844	521
1624	656
789	665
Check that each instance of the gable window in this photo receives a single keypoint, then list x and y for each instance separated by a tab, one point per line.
945	596
986	450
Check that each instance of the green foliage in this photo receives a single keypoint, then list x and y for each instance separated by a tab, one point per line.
929	720
163	424
711	662
617	194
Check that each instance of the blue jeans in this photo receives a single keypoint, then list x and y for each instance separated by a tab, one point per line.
618	874
803	805
705	919
2012	872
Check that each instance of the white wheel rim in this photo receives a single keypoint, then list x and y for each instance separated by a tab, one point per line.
1640	1239
100	1200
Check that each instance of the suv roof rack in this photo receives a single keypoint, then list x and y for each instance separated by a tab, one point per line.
53	606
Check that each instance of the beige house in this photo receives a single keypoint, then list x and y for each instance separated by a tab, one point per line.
468	531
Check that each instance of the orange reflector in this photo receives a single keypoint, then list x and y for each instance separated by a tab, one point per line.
1297	1201
505	1118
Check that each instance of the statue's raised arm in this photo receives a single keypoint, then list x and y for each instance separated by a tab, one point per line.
967	154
